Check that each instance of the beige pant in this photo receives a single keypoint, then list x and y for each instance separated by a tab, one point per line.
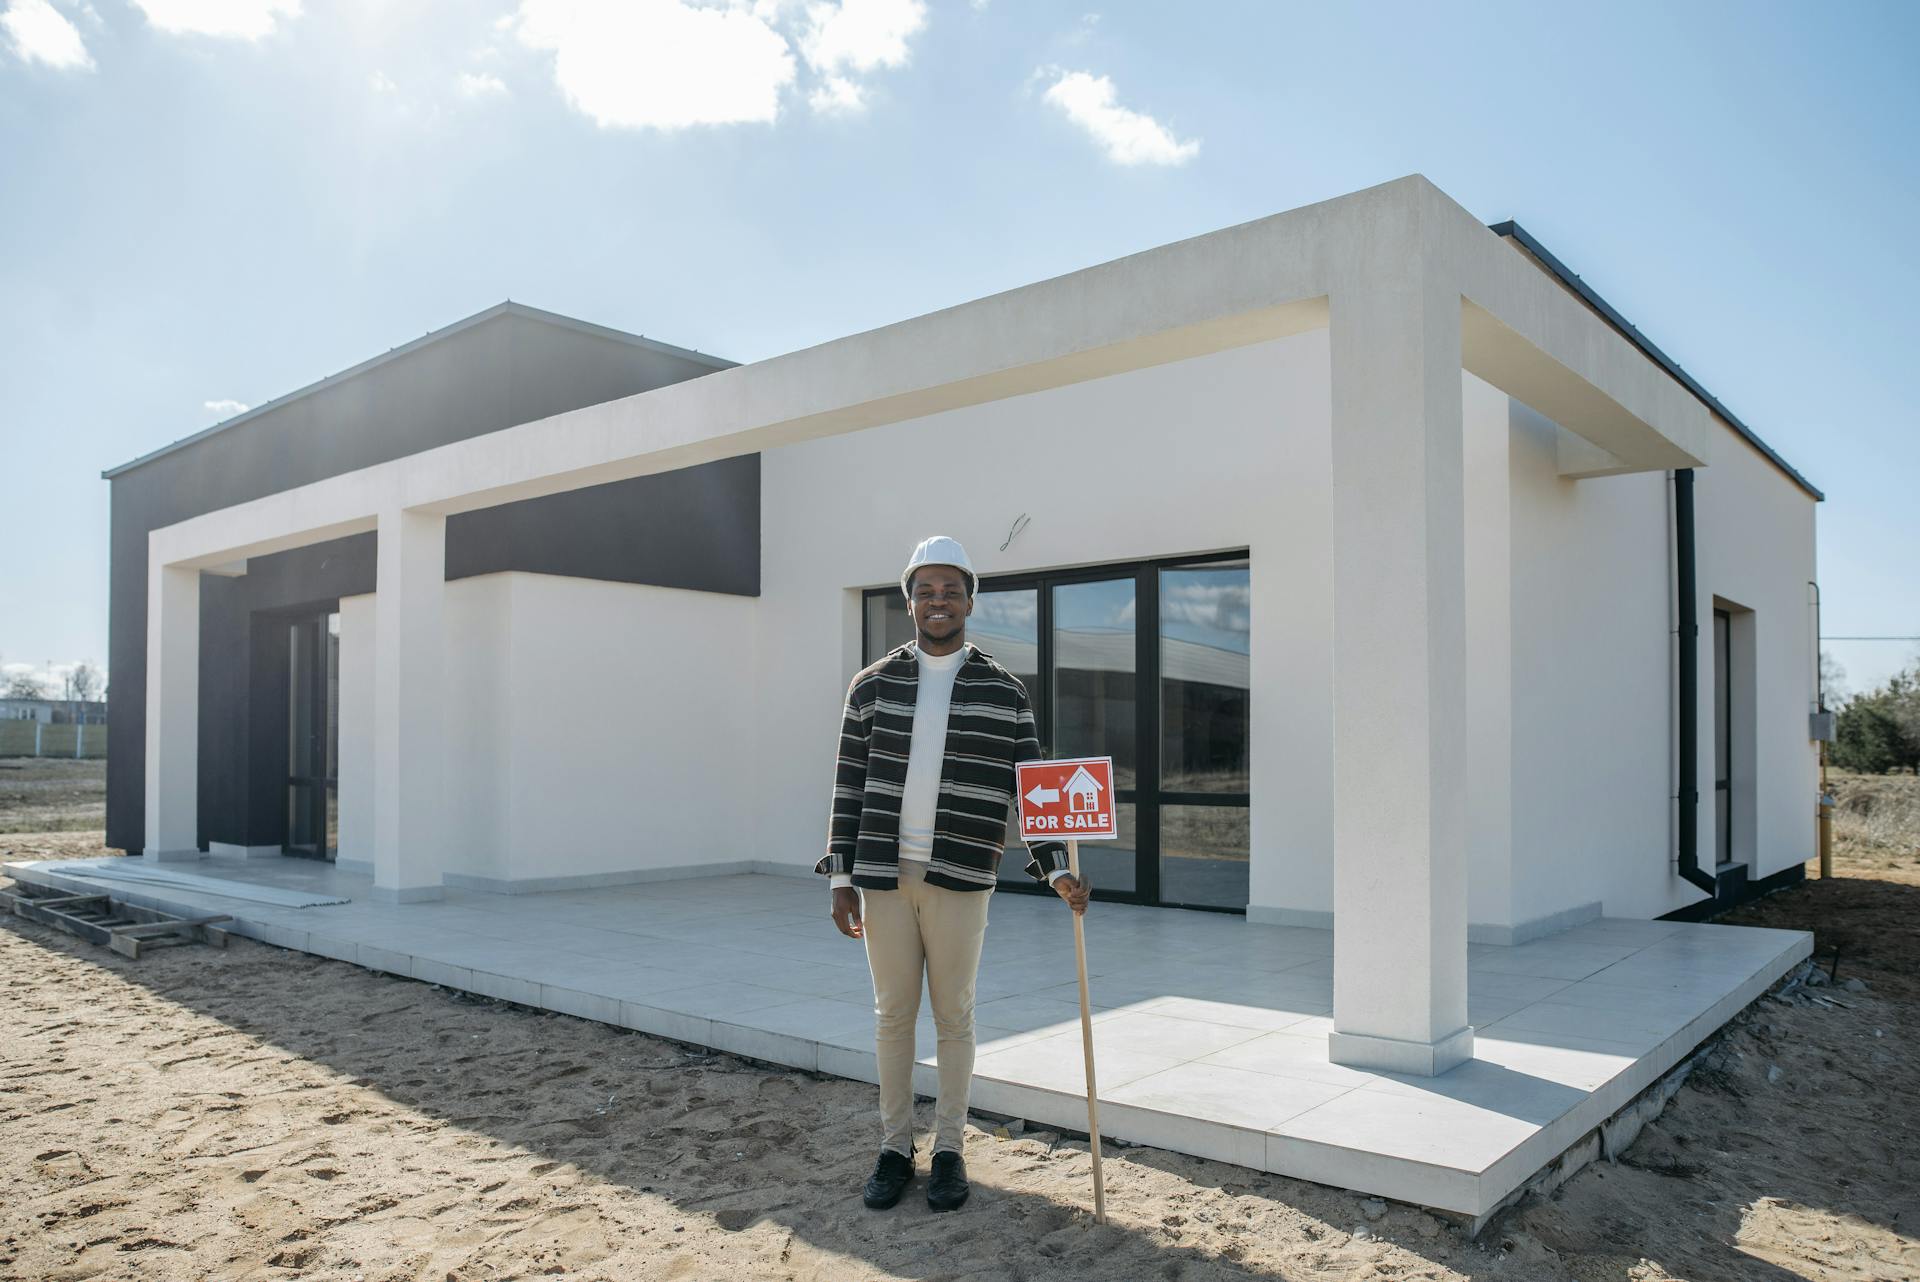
915	930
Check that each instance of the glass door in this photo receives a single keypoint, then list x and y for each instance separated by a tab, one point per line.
313	743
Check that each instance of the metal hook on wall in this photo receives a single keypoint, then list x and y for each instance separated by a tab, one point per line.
1020	523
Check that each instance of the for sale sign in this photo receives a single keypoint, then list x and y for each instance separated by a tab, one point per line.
1067	800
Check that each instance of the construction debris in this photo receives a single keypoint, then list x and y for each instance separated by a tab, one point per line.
101	919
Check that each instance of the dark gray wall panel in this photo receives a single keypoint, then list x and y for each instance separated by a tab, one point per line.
698	528
695	528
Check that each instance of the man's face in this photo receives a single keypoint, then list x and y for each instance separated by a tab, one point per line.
940	603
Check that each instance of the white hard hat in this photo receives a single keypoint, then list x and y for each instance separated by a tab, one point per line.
938	550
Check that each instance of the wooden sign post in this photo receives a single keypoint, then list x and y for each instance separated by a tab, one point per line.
1073	800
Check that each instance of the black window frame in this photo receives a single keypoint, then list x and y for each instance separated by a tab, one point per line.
1723	738
322	785
1146	801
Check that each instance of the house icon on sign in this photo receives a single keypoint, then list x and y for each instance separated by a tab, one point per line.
1083	793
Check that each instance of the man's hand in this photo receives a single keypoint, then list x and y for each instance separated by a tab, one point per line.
1074	891
846	911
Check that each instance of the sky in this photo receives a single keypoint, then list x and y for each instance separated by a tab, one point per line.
205	204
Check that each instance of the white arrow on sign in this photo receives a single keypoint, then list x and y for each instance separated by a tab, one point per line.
1041	796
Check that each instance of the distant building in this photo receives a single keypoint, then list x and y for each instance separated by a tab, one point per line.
55	712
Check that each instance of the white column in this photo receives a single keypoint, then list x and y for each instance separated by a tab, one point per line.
1399	662
173	713
356	734
408	719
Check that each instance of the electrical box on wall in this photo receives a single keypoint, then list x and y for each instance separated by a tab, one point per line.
1822	729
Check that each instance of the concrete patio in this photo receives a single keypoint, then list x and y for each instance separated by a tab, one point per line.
1210	1031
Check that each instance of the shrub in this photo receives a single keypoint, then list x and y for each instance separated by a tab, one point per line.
1880	730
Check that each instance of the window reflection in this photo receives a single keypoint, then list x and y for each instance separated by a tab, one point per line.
1007	626
887	625
1204	678
1203	855
1093	674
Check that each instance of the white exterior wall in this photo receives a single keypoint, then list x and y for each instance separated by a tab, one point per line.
632	728
1217	452
1489	747
479	686
1757	546
593	729
1592	719
477	618
1591	670
1567	615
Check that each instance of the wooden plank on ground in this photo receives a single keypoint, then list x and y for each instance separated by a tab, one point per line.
123	927
143	929
60	901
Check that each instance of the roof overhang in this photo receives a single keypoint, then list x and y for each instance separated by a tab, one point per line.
1547	262
1520	330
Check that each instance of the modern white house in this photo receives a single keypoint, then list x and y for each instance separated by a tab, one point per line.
1413	591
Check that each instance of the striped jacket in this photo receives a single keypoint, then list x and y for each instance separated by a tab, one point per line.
990	727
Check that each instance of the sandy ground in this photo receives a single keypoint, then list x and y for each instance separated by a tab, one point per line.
263	1114
43	795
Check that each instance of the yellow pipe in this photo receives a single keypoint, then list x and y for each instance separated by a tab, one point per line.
1825	814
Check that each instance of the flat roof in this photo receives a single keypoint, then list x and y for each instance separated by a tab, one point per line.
507	308
1515	232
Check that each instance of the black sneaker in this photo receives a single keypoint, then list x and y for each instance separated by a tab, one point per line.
891	1175
947	1187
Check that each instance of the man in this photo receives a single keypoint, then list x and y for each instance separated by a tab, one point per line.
928	744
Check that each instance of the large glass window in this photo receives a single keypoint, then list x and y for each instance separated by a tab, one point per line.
1204	678
1146	663
1205	699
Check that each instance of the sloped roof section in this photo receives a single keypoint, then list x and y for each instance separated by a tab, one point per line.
508	308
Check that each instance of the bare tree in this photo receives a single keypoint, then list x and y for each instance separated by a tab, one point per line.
86	682
1833	680
24	685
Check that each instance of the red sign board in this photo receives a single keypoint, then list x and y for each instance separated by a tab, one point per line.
1067	800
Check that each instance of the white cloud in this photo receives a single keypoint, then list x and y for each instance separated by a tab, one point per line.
39	32
660	64
380	82
239	19
226	409
837	95
856	36
481	84
861	35
1128	137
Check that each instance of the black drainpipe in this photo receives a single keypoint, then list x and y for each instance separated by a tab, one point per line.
1689	685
